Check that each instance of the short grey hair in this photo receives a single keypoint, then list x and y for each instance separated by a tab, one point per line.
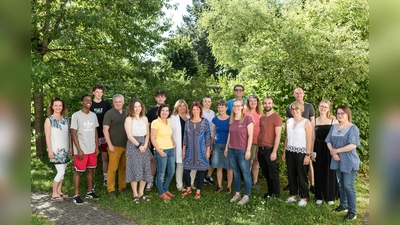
118	96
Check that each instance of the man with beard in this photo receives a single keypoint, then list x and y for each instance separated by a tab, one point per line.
268	142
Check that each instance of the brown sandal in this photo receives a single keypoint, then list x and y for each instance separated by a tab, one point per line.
144	198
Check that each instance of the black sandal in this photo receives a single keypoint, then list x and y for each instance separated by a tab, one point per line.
136	200
144	198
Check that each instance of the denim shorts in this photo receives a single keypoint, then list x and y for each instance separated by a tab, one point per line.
219	160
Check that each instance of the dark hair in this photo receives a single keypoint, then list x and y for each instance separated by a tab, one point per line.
268	97
191	109
238	85
346	109
160	92
86	95
50	109
161	107
97	86
222	102
131	108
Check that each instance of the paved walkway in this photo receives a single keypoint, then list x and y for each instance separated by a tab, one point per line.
66	212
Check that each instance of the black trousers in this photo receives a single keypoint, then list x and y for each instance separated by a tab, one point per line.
188	179
297	173
269	170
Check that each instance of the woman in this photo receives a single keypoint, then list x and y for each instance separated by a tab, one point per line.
178	119
240	139
253	109
342	141
58	142
326	188
196	148
220	131
138	154
161	138
297	153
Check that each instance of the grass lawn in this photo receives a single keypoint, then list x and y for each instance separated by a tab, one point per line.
210	209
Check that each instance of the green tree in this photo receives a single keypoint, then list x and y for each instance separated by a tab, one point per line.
75	44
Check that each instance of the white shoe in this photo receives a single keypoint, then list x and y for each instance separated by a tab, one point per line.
302	203
290	199
330	203
235	198
319	202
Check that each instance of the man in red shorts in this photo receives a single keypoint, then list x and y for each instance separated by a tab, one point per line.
84	136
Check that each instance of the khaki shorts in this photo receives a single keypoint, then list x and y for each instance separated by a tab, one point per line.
254	151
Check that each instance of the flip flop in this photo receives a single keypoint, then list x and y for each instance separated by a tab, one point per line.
57	198
64	196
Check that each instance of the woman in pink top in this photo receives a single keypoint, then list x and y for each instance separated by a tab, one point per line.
238	149
253	109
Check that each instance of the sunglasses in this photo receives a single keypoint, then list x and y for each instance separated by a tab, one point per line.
240	90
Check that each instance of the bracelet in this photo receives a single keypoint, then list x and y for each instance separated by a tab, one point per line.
138	146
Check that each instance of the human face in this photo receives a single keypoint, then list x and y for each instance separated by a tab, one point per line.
298	94
207	103
182	108
237	107
238	91
323	108
57	106
296	112
160	99
87	102
222	109
342	116
98	94
137	108
196	111
118	103
268	104
164	113
253	103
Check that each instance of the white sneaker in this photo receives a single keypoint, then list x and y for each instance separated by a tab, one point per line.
319	202
330	203
290	199
235	198
302	203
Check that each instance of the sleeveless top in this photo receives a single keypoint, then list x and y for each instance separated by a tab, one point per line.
321	131
296	135
139	127
59	140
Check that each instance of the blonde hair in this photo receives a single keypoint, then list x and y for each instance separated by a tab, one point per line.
328	114
177	104
258	107
297	105
242	116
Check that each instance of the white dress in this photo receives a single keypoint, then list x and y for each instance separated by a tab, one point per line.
59	140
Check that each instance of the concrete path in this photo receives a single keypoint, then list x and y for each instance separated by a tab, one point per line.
66	212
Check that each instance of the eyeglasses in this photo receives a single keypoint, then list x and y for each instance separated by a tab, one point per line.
324	107
237	106
293	108
240	90
340	114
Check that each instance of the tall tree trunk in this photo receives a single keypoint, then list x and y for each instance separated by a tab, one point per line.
39	123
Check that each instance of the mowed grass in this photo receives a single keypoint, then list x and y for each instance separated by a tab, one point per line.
211	209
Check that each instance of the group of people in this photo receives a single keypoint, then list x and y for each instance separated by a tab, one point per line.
190	140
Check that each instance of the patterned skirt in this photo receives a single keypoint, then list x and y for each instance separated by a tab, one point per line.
137	163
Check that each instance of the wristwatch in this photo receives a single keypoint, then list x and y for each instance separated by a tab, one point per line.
308	154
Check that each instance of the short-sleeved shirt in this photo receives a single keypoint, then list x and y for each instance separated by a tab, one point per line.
100	109
222	130
209	116
256	120
308	111
230	103
348	160
116	121
85	125
238	133
267	129
164	133
152	114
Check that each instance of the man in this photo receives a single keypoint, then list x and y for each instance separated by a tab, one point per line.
238	91
151	115
84	136
100	107
114	132
209	115
268	142
308	113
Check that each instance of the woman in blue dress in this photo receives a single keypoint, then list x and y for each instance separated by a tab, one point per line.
342	141
196	148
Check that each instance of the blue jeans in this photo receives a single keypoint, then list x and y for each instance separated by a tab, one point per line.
240	165
347	190
165	169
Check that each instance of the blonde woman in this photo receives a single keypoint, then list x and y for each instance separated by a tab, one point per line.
238	149
138	154
179	116
326	187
